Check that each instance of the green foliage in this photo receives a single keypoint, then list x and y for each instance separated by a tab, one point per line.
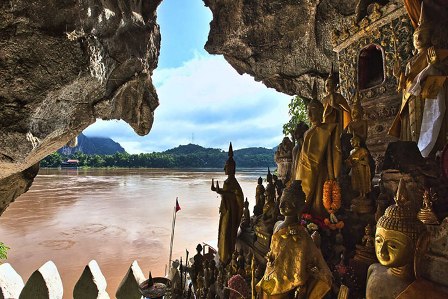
297	112
185	156
3	251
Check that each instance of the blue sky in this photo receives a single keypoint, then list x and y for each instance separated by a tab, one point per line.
203	100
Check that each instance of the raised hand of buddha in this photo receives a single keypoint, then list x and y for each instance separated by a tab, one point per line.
432	56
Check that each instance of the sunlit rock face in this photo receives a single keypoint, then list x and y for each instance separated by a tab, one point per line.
286	44
64	63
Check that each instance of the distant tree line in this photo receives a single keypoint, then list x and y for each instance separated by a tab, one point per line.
200	159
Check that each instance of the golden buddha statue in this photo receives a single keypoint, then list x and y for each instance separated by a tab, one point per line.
259	198
360	175
358	126
336	108
319	160
295	266
245	219
426	214
298	133
397	233
423	114
231	210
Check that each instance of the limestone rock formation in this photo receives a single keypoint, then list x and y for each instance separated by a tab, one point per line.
64	64
286	44
14	185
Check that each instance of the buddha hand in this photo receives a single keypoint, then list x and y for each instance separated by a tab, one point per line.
432	56
213	185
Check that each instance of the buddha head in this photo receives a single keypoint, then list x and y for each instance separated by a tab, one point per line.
330	83
422	34
315	112
269	193
292	201
397	232
260	180
300	129
355	141
357	111
269	177
230	166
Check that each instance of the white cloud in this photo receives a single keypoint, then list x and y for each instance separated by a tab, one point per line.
205	98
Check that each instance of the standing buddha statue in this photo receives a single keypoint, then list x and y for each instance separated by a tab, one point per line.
423	113
298	133
295	266
319	160
231	210
259	198
358	125
360	175
336	108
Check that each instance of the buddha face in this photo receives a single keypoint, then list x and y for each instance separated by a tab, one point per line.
421	39
229	168
355	142
329	85
314	115
287	206
393	248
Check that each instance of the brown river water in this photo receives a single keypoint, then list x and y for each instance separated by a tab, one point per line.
114	216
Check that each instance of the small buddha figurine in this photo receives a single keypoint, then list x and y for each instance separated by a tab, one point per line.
359	163
259	198
198	262
426	214
368	239
358	126
295	266
396	237
230	210
245	220
269	210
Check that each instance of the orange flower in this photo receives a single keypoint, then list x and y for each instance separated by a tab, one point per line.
331	196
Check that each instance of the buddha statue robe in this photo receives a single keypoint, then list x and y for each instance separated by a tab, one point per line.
294	262
231	211
319	161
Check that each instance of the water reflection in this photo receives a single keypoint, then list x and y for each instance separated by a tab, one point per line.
113	216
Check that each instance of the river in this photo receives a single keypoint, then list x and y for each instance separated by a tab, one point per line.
114	216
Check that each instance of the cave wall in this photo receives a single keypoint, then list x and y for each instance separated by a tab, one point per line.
286	44
65	63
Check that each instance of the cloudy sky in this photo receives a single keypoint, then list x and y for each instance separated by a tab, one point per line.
203	100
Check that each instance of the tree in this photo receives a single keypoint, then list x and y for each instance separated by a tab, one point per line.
297	112
3	250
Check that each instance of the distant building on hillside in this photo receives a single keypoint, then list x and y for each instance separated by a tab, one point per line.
71	163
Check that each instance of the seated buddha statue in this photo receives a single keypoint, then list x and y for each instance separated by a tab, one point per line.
396	246
295	266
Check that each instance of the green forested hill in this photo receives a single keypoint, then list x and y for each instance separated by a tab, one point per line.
183	156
